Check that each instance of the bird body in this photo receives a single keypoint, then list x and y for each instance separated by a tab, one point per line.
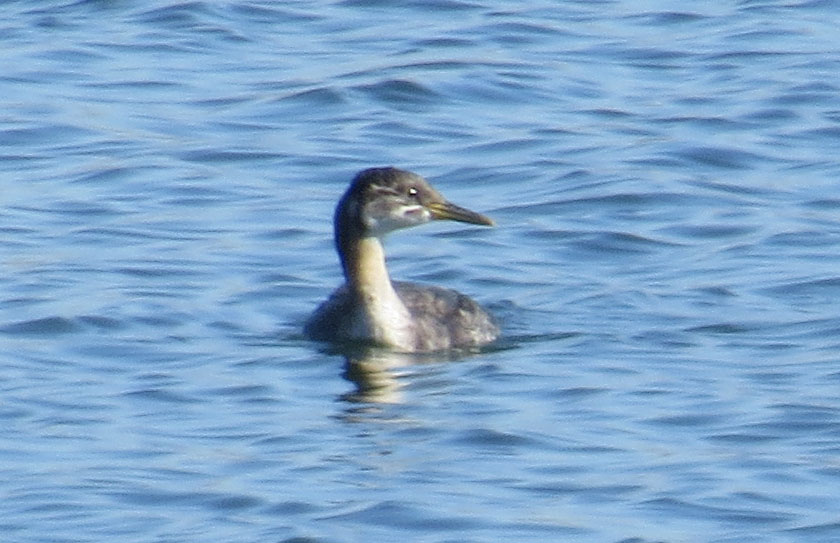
369	307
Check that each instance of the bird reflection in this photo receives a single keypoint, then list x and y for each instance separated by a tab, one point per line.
379	375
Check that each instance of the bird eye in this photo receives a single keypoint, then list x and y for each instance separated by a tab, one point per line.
412	192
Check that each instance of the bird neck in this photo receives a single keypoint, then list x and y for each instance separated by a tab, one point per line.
384	317
363	260
362	255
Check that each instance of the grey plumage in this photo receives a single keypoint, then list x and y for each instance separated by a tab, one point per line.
442	318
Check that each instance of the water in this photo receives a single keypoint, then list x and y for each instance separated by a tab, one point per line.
665	268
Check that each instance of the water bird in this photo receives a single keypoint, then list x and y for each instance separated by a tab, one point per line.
369	307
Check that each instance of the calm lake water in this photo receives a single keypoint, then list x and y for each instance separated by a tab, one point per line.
666	268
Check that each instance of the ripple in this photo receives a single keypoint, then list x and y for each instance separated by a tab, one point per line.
628	200
436	5
667	18
828	287
725	328
49	136
160	395
483	437
773	115
712	231
804	238
222	156
687	420
47	326
824	203
399	92
722	157
828	529
406	516
116	174
613	243
102	323
179	15
730	514
317	97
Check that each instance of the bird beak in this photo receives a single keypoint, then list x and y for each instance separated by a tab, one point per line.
451	212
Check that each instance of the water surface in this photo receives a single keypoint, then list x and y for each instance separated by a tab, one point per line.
665	269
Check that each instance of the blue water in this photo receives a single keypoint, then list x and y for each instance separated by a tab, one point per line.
666	268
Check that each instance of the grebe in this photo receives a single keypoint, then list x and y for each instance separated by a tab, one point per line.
369	307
